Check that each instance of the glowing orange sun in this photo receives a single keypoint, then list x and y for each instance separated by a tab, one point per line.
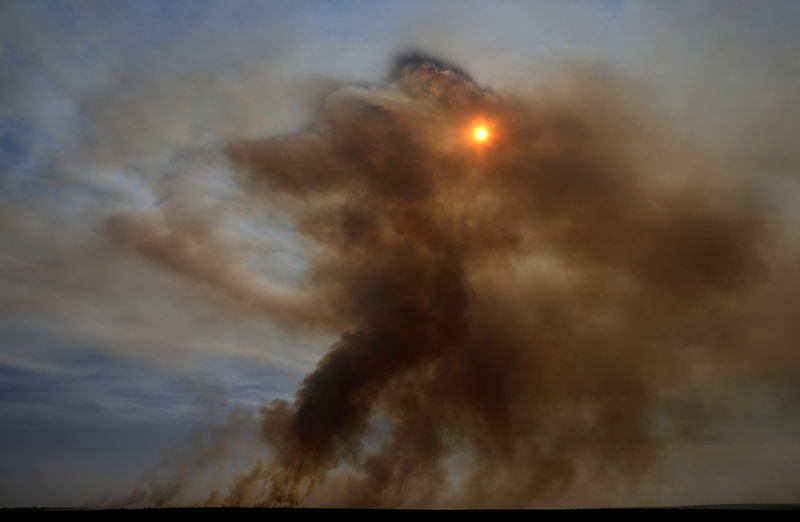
480	133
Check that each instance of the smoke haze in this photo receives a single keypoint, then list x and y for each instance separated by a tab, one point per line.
264	234
510	311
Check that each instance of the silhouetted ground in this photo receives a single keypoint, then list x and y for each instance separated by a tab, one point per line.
260	511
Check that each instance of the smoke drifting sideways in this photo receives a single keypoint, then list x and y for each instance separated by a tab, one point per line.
507	310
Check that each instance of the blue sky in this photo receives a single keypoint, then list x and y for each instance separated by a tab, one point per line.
64	431
114	107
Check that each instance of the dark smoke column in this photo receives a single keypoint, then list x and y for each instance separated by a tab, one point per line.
400	278
457	358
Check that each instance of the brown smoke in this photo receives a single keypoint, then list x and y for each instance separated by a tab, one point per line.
192	247
510	307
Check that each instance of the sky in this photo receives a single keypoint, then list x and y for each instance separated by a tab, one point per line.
121	354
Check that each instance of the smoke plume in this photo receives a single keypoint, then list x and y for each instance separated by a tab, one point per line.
509	311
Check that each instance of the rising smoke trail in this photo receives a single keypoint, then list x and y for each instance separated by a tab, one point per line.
507	309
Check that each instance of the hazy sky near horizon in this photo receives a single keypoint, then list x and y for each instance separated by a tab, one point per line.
111	108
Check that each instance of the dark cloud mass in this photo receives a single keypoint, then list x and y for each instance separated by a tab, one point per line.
510	313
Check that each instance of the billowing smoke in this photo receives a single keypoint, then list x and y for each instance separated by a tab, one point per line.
509	311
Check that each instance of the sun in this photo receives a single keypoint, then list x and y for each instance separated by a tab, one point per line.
480	133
